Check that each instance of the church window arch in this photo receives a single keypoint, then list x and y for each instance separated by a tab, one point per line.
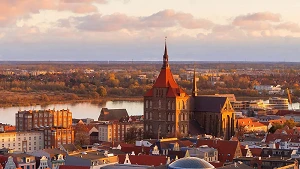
173	117
146	115
182	128
159	103
183	105
159	115
169	104
150	116
150	103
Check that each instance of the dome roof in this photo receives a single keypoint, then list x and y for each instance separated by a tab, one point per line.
190	163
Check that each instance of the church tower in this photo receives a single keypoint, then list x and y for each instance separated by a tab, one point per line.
166	111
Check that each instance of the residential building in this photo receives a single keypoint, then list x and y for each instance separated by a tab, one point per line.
251	126
26	141
55	157
92	159
278	103
56	125
43	163
116	131
22	160
7	127
227	150
204	152
54	137
28	120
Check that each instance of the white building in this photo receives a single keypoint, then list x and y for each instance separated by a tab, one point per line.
269	88
22	141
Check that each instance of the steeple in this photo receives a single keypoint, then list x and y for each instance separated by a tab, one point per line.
165	57
194	93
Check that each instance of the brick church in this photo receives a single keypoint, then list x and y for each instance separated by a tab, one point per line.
170	112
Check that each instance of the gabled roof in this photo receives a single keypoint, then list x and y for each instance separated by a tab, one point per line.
165	79
256	152
226	149
112	114
209	103
144	160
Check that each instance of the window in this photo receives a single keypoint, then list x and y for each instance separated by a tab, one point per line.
146	104
159	103
159	115
169	104
150	104
183	105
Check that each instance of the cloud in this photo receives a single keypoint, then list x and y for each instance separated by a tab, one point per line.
11	10
289	26
256	21
117	21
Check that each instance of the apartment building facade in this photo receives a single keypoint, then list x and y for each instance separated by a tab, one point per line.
30	119
56	125
116	131
27	141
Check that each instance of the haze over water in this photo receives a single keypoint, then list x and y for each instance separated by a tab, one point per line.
79	110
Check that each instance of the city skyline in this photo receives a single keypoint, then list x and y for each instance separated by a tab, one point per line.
116	30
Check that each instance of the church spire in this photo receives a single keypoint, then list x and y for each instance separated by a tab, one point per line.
194	93
165	57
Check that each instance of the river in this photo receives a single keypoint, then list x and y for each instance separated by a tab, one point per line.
79	110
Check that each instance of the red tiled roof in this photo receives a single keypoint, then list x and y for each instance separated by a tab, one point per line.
244	151
256	152
165	79
283	137
73	167
144	160
217	165
285	112
226	149
3	161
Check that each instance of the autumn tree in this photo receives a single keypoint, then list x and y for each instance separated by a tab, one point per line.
81	134
102	91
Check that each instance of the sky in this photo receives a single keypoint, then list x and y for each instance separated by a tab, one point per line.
117	30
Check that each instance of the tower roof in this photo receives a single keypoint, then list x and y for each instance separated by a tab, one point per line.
165	79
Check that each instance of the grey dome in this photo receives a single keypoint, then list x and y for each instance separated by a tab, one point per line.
190	163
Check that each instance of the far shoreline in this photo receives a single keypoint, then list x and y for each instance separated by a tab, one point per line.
92	101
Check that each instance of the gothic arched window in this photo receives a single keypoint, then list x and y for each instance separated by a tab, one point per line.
146	104
159	103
